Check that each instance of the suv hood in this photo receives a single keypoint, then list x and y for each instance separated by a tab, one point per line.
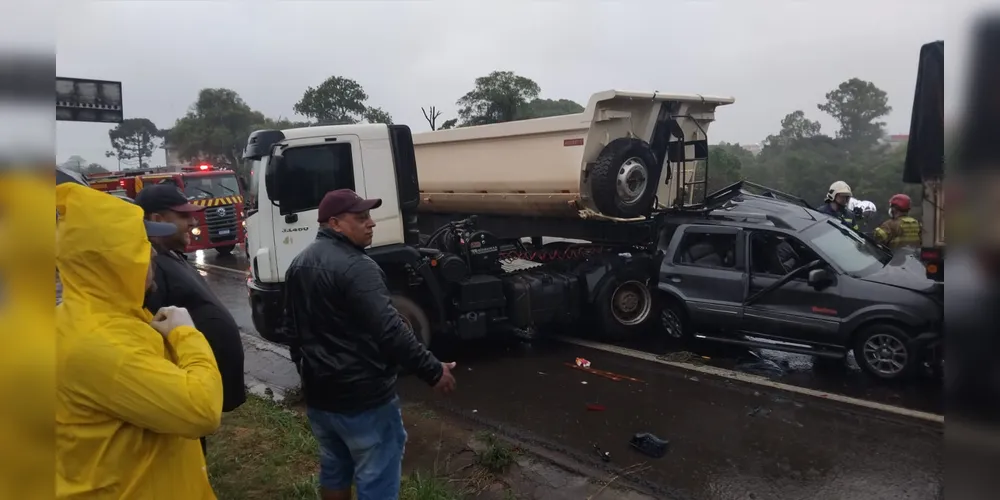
904	271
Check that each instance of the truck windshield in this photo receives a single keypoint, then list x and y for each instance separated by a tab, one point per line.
852	253
210	186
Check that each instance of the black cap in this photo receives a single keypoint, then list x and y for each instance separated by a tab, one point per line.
343	201
153	229
160	197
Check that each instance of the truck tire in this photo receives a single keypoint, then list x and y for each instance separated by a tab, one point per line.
414	317
624	305
624	178
885	351
226	250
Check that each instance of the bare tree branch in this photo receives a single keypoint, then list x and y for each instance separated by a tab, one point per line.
431	116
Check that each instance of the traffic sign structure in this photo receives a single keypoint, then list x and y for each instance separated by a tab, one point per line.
83	100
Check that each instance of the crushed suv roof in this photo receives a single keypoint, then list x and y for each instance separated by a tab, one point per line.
752	208
735	205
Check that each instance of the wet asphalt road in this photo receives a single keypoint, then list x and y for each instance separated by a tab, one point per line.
728	440
829	376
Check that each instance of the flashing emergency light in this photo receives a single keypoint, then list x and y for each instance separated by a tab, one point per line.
121	183
204	167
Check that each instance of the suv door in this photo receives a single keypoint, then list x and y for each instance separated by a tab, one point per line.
704	268
794	311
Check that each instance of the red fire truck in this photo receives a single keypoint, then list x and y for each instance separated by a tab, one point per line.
221	225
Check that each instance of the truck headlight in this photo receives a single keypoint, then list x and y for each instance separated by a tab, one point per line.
196	231
244	224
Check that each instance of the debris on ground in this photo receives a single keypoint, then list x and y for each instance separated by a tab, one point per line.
582	363
605	455
759	411
603	373
683	357
649	444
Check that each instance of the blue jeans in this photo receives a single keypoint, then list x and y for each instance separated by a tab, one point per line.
365	448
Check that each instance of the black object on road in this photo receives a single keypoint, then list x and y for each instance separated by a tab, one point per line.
649	445
606	456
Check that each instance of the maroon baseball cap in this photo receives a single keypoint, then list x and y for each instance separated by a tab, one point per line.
160	197
343	201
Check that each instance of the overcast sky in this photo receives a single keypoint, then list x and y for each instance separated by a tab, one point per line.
773	56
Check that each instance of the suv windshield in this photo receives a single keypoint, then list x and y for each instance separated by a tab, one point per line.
846	249
210	186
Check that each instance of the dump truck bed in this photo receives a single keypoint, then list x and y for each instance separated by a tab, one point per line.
542	167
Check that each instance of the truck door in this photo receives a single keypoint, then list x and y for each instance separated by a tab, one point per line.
794	311
310	169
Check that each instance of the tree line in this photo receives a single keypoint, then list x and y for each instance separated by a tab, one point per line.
802	160
799	158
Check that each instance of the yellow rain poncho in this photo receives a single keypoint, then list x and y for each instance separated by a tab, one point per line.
130	405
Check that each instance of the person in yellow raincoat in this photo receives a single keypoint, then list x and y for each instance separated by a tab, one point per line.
134	392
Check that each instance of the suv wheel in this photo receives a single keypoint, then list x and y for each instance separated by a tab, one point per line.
673	320
884	351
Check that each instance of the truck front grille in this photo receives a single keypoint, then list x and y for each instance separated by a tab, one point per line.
222	223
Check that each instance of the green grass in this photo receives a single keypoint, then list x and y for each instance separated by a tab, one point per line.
266	451
498	456
420	487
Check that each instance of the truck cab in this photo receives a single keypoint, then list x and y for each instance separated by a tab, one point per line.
221	226
292	171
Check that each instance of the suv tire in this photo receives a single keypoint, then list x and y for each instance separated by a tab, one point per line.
884	351
673	320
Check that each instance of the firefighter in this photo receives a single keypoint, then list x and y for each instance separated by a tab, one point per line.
901	230
838	197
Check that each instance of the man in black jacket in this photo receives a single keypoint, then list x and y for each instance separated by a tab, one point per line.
351	342
179	284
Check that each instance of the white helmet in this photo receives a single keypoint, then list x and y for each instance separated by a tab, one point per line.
839	187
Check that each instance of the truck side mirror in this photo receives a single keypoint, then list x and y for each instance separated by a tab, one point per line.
820	278
274	167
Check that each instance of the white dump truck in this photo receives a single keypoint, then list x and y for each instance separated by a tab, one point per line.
460	207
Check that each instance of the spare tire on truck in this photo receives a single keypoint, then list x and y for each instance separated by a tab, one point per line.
624	178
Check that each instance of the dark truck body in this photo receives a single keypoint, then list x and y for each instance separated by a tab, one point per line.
925	154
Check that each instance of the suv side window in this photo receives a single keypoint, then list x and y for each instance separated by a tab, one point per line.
309	172
777	254
705	249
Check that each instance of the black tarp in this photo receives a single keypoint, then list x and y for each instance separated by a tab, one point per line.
925	147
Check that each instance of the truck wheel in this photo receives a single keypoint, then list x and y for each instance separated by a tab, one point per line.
624	305
414	317
884	351
226	250
624	179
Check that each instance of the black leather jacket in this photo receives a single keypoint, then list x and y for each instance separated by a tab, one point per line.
348	337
